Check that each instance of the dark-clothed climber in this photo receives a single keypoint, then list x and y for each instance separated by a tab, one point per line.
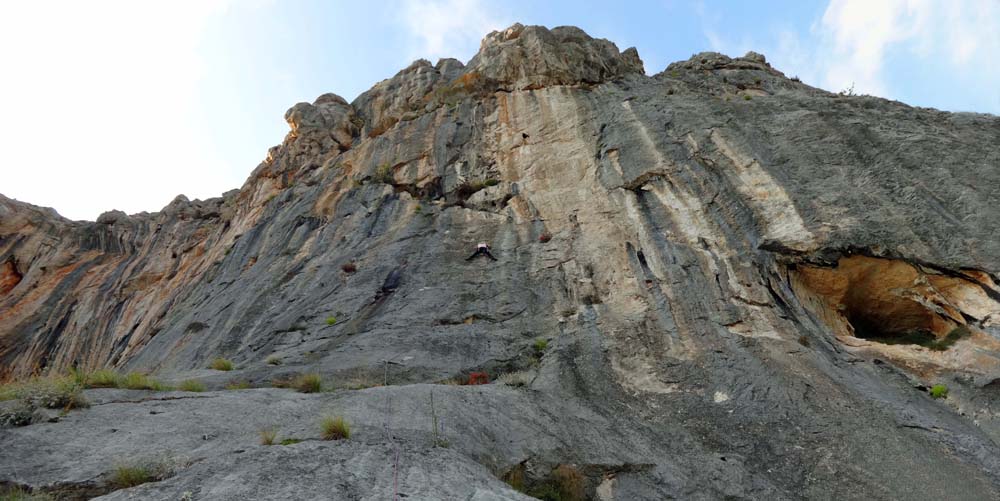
481	249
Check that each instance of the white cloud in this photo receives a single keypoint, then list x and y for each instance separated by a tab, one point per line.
448	28
853	40
96	104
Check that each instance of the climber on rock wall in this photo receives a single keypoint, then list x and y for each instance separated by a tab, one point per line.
481	249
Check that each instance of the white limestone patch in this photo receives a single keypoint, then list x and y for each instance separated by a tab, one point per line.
720	397
776	211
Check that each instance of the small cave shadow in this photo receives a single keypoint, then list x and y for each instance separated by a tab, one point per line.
868	330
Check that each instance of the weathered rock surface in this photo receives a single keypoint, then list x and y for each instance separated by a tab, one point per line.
710	252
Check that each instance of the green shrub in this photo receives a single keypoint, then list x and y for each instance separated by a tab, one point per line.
273	360
331	320
939	391
103	378
221	364
540	345
139	381
191	385
335	428
268	435
131	476
746	97
491	182
308	383
290	441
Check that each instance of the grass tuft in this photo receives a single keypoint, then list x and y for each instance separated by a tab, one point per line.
103	378
308	383
139	381
335	428
273	360
221	364
290	441
191	385
540	345
331	320
268	436
131	476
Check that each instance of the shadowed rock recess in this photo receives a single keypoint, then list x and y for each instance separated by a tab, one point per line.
715	282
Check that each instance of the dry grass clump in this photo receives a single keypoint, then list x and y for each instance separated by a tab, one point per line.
268	436
191	385
221	364
308	383
103	378
335	428
131	475
139	381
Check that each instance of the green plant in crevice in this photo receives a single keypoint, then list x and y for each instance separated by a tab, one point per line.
939	391
540	345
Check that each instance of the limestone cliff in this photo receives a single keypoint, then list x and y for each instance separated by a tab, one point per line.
746	286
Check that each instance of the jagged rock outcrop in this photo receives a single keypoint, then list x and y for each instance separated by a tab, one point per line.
729	267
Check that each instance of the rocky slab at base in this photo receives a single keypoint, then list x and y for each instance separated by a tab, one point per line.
694	272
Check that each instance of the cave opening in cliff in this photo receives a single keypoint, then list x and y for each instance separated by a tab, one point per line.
886	301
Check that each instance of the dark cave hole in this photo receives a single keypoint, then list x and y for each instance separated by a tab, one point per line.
882	330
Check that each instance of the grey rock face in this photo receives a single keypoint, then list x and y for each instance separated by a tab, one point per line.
700	276
532	57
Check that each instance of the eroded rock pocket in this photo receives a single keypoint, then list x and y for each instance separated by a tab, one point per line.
893	302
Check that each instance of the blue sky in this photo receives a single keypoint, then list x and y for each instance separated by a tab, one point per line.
123	105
